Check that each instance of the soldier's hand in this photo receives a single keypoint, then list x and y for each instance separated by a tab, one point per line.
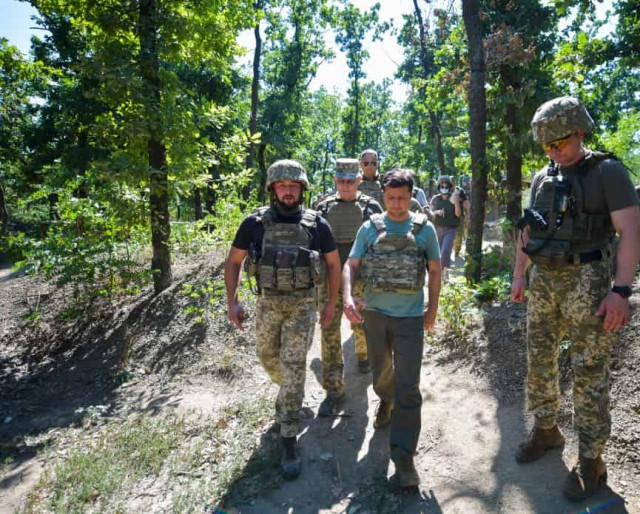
615	310
351	310
237	315
327	315
518	287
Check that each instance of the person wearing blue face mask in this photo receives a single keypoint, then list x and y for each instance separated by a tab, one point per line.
447	209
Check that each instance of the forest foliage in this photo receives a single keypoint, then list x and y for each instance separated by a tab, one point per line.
134	132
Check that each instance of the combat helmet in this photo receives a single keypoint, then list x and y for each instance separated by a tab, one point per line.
559	118
445	179
286	169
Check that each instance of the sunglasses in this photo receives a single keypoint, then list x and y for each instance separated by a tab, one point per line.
369	163
558	144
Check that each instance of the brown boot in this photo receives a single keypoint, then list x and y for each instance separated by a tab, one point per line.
383	414
538	442
406	472
585	479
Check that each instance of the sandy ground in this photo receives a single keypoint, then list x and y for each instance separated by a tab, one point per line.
465	455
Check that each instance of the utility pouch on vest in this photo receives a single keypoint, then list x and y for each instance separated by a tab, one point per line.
251	267
552	253
268	269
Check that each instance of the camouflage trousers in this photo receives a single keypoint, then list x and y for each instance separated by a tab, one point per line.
461	234
284	333
565	300
332	358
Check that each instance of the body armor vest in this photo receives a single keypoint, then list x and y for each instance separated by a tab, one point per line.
345	218
563	229
373	189
287	263
394	262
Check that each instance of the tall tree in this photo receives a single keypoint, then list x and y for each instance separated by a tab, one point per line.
476	97
148	22
353	26
294	48
133	56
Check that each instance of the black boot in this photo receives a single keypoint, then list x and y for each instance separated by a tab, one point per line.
290	463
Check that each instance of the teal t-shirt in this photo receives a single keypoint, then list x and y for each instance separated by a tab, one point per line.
396	305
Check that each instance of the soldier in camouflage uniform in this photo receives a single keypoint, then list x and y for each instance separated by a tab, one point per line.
392	251
345	211
577	204
370	184
281	246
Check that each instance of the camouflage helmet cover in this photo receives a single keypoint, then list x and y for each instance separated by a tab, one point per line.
347	168
559	118
286	169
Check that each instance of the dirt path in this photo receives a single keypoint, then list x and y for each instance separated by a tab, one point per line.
472	417
465	456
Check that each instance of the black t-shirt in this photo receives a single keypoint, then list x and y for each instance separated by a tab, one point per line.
252	232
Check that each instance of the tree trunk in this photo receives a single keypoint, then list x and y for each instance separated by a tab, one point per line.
159	183
514	181
4	213
262	194
255	98
197	204
437	139
54	214
477	134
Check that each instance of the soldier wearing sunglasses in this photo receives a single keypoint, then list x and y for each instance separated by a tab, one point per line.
577	204
370	184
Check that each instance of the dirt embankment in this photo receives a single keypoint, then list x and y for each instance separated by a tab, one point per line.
151	354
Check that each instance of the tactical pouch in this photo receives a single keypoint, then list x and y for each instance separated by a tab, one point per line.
551	253
268	270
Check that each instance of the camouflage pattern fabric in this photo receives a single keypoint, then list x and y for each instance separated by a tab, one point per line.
331	344
392	252
284	333
372	188
461	235
286	169
562	300
559	118
357	291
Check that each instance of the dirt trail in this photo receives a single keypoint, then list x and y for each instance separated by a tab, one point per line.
472	417
465	454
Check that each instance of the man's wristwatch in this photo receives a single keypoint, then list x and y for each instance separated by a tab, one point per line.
624	291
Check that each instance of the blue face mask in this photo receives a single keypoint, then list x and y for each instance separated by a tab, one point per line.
444	190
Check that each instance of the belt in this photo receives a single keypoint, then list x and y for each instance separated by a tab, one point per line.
595	255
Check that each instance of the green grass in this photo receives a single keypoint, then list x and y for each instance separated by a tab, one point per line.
193	460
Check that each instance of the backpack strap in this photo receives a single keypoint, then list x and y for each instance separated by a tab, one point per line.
309	218
378	223
265	215
419	220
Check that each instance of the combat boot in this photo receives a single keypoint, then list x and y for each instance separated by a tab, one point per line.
538	442
585	479
290	463
331	405
383	414
406	472
363	366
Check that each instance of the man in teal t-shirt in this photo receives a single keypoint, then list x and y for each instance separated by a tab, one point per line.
392	252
